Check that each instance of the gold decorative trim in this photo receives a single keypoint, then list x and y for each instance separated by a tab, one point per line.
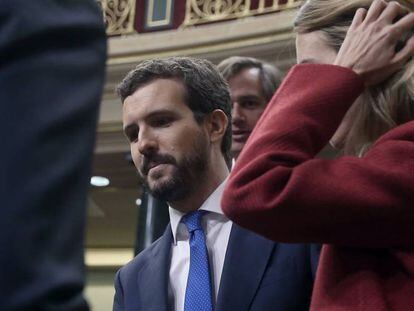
157	23
207	11
119	16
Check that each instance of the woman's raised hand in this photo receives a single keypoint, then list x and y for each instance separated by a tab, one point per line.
370	46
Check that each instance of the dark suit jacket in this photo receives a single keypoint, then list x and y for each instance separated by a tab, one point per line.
52	61
257	275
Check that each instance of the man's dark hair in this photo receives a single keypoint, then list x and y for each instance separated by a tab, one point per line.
206	89
270	77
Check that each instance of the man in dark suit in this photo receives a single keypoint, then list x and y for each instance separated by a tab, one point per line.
52	67
176	116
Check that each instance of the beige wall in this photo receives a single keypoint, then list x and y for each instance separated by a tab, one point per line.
102	265
100	290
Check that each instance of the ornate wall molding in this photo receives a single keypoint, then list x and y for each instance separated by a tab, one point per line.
119	16
121	19
207	11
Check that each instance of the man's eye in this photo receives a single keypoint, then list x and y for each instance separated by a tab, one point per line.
250	104
161	122
132	136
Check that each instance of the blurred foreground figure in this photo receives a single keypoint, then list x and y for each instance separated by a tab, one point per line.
359	205
51	76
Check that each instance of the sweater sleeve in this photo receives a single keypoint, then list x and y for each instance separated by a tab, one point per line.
278	189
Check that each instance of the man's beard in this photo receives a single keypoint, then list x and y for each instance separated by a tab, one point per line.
185	175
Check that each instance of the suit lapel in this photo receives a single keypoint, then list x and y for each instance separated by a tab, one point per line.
153	278
244	265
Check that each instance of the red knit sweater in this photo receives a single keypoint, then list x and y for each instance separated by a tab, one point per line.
361	209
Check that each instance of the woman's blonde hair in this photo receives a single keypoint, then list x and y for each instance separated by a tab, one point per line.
384	106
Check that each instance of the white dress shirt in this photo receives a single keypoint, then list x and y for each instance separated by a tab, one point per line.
217	229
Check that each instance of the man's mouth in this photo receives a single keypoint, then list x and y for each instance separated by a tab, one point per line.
155	165
151	162
151	165
240	135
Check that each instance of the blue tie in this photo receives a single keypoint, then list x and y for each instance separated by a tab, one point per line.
198	293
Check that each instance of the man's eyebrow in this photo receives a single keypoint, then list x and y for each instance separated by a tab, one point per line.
160	112
248	97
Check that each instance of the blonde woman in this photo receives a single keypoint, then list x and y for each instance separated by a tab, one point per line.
353	87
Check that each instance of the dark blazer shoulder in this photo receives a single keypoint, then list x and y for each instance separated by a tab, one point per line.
140	260
147	273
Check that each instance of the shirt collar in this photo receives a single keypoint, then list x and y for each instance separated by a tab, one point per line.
211	204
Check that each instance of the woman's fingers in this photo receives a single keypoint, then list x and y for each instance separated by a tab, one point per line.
359	17
370	47
403	29
375	10
392	11
405	24
405	54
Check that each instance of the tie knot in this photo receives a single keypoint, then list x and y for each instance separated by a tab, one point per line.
193	220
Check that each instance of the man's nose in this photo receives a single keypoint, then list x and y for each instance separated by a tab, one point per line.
237	114
147	143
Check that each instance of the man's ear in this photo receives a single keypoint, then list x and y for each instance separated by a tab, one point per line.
217	123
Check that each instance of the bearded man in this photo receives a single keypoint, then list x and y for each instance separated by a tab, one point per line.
176	116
